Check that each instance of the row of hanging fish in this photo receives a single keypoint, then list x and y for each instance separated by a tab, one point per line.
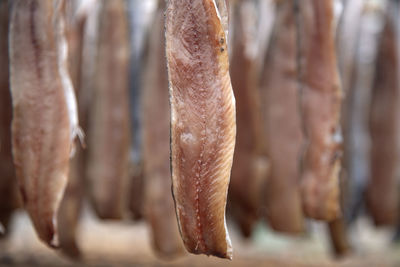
238	106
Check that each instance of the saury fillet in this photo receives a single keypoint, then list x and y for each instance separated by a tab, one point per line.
282	123
44	110
203	126
320	98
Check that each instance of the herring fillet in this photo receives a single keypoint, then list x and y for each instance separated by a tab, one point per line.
282	123
44	123
320	100
203	126
109	126
159	208
8	186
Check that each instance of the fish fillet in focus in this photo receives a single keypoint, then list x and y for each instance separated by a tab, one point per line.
203	126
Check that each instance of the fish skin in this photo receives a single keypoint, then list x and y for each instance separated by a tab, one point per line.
158	204
250	165
203	126
109	129
8	186
348	37
382	193
320	100
348	27
140	18
42	128
283	140
356	107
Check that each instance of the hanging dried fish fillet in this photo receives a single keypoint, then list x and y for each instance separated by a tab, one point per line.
282	124
141	15
159	205
109	129
202	123
320	109
8	187
347	39
356	110
44	110
250	166
71	205
348	32
382	190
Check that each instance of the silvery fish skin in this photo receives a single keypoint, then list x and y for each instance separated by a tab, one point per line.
347	39
348	35
8	186
158	203
282	124
382	190
250	165
320	100
109	129
356	109
203	126
44	110
136	188
70	210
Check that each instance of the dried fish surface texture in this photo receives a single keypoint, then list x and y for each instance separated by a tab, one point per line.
320	107
44	110
203	124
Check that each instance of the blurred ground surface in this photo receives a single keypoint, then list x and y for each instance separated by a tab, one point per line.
128	244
